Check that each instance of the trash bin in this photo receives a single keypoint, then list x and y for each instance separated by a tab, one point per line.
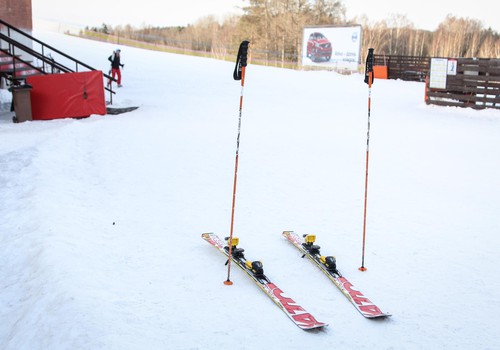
21	98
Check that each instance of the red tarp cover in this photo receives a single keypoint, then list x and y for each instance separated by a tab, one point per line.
68	95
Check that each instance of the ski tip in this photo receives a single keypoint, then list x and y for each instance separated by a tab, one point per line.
379	316
317	326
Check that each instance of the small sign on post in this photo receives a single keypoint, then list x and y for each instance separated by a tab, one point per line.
452	66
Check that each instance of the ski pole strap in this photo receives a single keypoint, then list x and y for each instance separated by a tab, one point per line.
241	59
369	67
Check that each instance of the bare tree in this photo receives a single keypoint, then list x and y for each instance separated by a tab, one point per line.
275	29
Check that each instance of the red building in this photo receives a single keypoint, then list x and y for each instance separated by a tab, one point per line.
17	13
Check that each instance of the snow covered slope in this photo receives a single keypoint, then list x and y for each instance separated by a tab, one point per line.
100	218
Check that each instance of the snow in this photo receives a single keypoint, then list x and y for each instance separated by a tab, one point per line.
100	218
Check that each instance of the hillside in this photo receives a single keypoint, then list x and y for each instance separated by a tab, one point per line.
100	218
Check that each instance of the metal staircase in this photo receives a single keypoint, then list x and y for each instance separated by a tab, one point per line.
22	55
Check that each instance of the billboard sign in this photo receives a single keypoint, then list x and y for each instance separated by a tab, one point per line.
335	47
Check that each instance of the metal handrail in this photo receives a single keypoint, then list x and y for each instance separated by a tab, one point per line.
41	56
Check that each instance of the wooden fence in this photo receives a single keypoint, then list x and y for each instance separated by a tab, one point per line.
475	84
409	68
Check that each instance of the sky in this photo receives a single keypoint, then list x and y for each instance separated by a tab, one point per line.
424	14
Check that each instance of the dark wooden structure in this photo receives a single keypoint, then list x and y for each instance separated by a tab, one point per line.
475	85
409	68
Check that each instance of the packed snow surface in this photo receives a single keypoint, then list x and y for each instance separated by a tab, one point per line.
100	218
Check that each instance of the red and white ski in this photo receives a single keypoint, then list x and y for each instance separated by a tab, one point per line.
294	311
360	302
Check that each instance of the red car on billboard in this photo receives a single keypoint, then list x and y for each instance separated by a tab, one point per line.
318	47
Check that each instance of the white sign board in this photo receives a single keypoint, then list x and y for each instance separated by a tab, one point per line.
439	70
336	47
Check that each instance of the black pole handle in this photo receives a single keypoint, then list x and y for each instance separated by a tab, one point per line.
369	67
241	59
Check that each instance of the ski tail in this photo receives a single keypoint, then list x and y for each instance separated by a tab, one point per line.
357	298
303	319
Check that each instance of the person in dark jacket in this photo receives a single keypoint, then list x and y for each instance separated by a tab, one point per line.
115	67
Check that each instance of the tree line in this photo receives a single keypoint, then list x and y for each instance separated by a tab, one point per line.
275	30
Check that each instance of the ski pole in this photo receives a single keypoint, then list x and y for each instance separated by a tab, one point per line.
369	81
239	74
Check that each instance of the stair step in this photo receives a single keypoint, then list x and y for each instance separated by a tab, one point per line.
9	59
5	54
6	67
5	59
21	69
26	73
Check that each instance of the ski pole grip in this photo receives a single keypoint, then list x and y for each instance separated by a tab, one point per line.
244	53
241	60
369	67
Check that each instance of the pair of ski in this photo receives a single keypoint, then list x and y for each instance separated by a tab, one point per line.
294	311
